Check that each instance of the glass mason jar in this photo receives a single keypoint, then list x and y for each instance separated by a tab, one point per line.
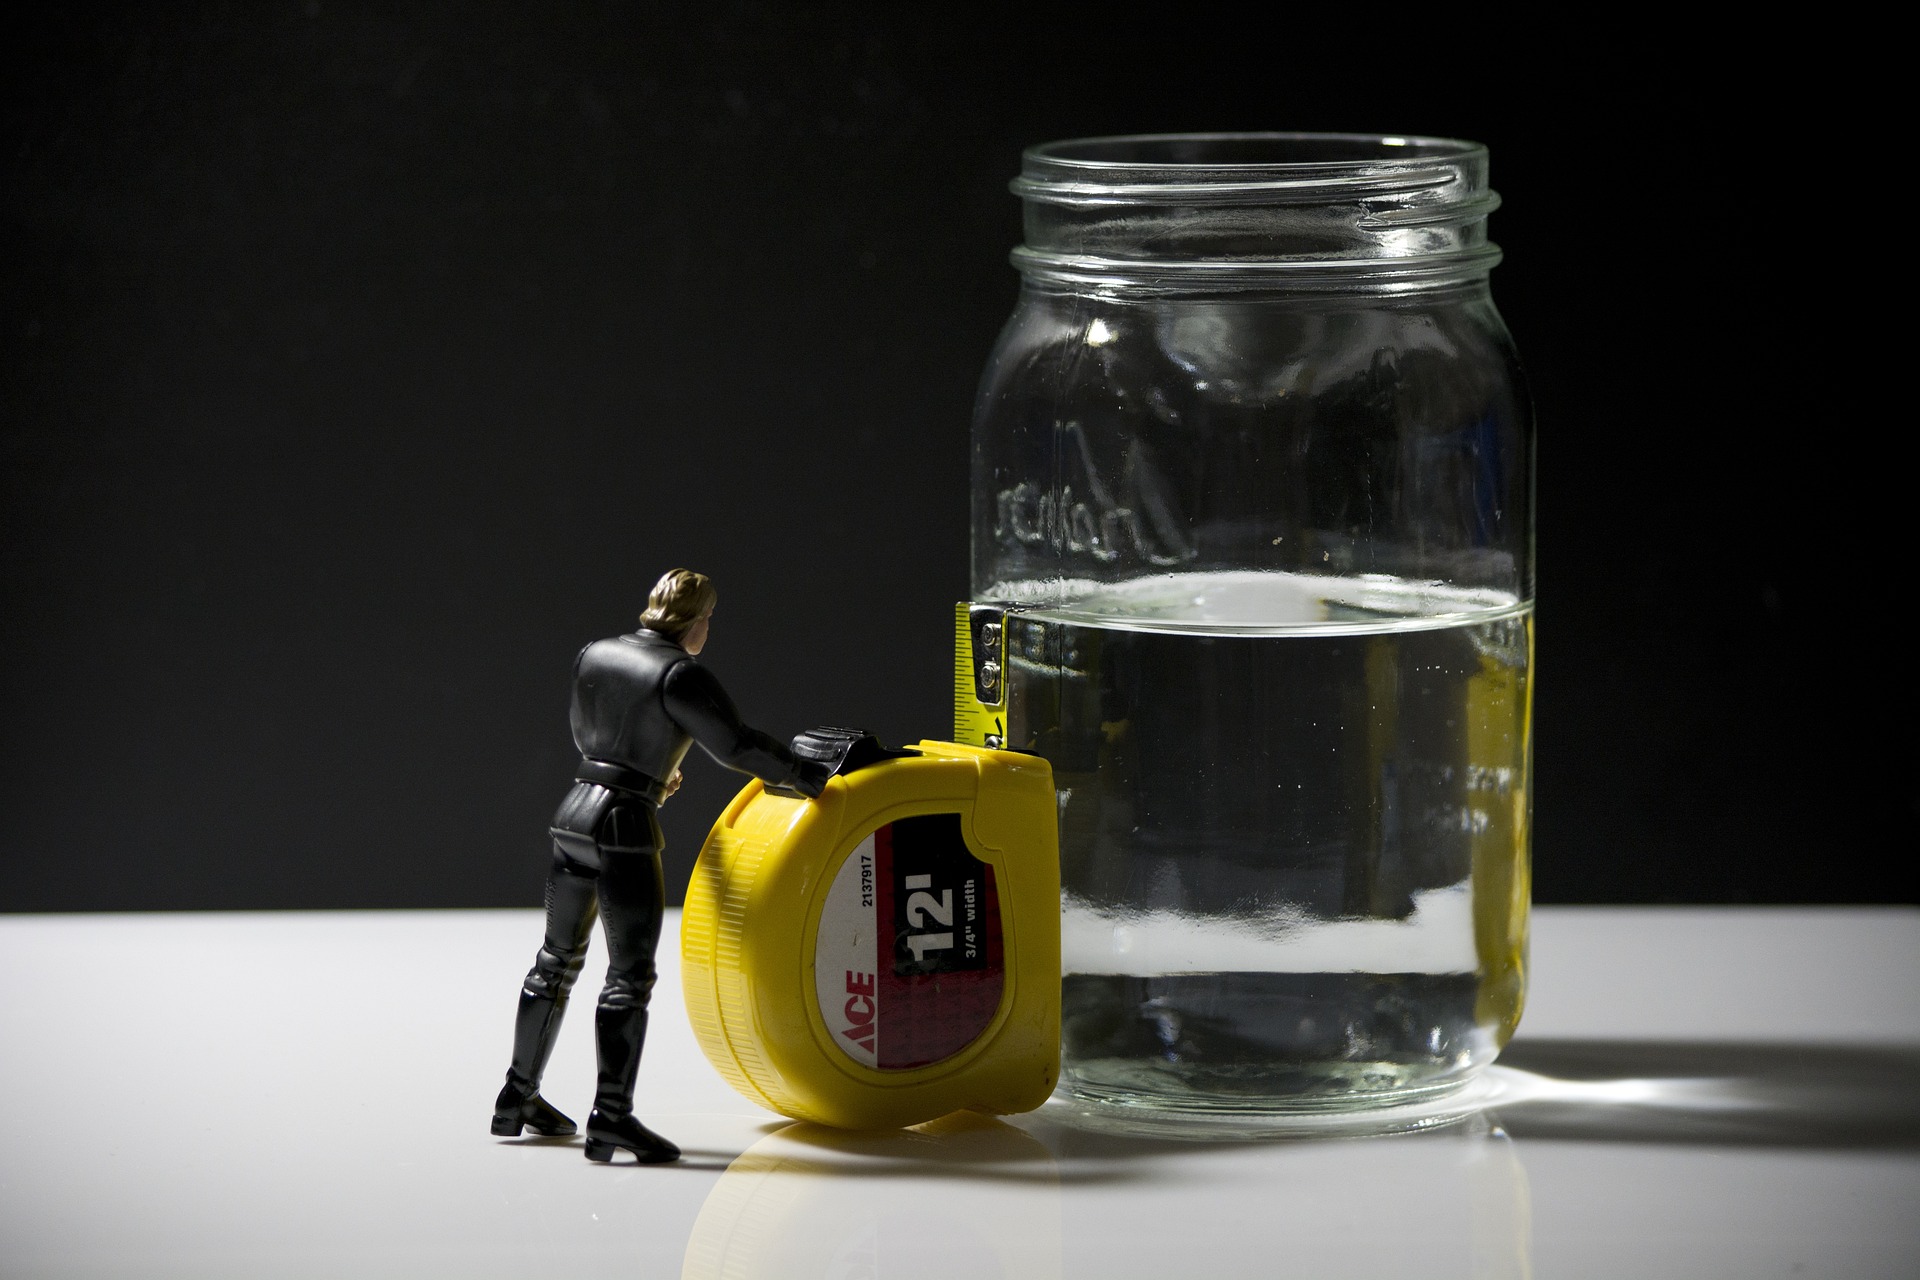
1252	473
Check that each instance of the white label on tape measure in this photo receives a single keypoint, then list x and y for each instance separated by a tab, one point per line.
843	972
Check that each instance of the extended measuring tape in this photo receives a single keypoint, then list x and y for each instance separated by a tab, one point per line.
980	675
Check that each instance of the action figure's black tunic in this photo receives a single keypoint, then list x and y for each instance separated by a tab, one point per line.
639	702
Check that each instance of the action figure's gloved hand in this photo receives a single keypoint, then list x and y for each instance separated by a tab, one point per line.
810	777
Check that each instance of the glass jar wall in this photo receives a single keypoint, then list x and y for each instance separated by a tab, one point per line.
1252	466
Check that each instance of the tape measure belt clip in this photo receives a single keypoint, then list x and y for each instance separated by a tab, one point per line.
832	752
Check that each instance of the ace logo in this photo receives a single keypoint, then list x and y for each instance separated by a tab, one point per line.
859	1010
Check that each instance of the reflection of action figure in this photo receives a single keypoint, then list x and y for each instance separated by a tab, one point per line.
639	701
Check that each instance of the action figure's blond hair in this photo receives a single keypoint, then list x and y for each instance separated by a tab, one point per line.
680	599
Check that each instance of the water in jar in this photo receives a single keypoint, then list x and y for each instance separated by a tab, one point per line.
1294	834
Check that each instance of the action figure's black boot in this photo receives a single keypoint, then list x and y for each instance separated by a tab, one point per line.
513	1108
619	1034
542	1002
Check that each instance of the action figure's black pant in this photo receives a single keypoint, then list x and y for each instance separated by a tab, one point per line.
626	893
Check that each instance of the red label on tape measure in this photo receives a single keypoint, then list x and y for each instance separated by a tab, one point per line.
908	964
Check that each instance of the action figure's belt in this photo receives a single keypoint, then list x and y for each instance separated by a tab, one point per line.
617	777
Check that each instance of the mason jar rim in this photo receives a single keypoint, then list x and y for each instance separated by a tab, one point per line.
1350	212
1381	148
1237	168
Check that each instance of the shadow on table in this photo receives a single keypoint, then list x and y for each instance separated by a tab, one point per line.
1700	1093
1845	1097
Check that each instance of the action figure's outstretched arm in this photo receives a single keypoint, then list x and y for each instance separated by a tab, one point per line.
699	705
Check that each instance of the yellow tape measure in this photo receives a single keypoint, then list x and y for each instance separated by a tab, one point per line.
889	952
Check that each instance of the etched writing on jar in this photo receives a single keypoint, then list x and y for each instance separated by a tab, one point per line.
1129	519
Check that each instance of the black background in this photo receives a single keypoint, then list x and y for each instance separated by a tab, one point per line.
361	363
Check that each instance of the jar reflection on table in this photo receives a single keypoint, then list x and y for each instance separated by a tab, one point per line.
1253	464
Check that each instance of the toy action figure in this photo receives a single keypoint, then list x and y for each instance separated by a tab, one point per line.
639	702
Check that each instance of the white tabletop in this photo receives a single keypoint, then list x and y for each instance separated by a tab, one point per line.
1693	1093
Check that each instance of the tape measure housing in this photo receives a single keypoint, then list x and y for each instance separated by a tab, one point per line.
889	952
